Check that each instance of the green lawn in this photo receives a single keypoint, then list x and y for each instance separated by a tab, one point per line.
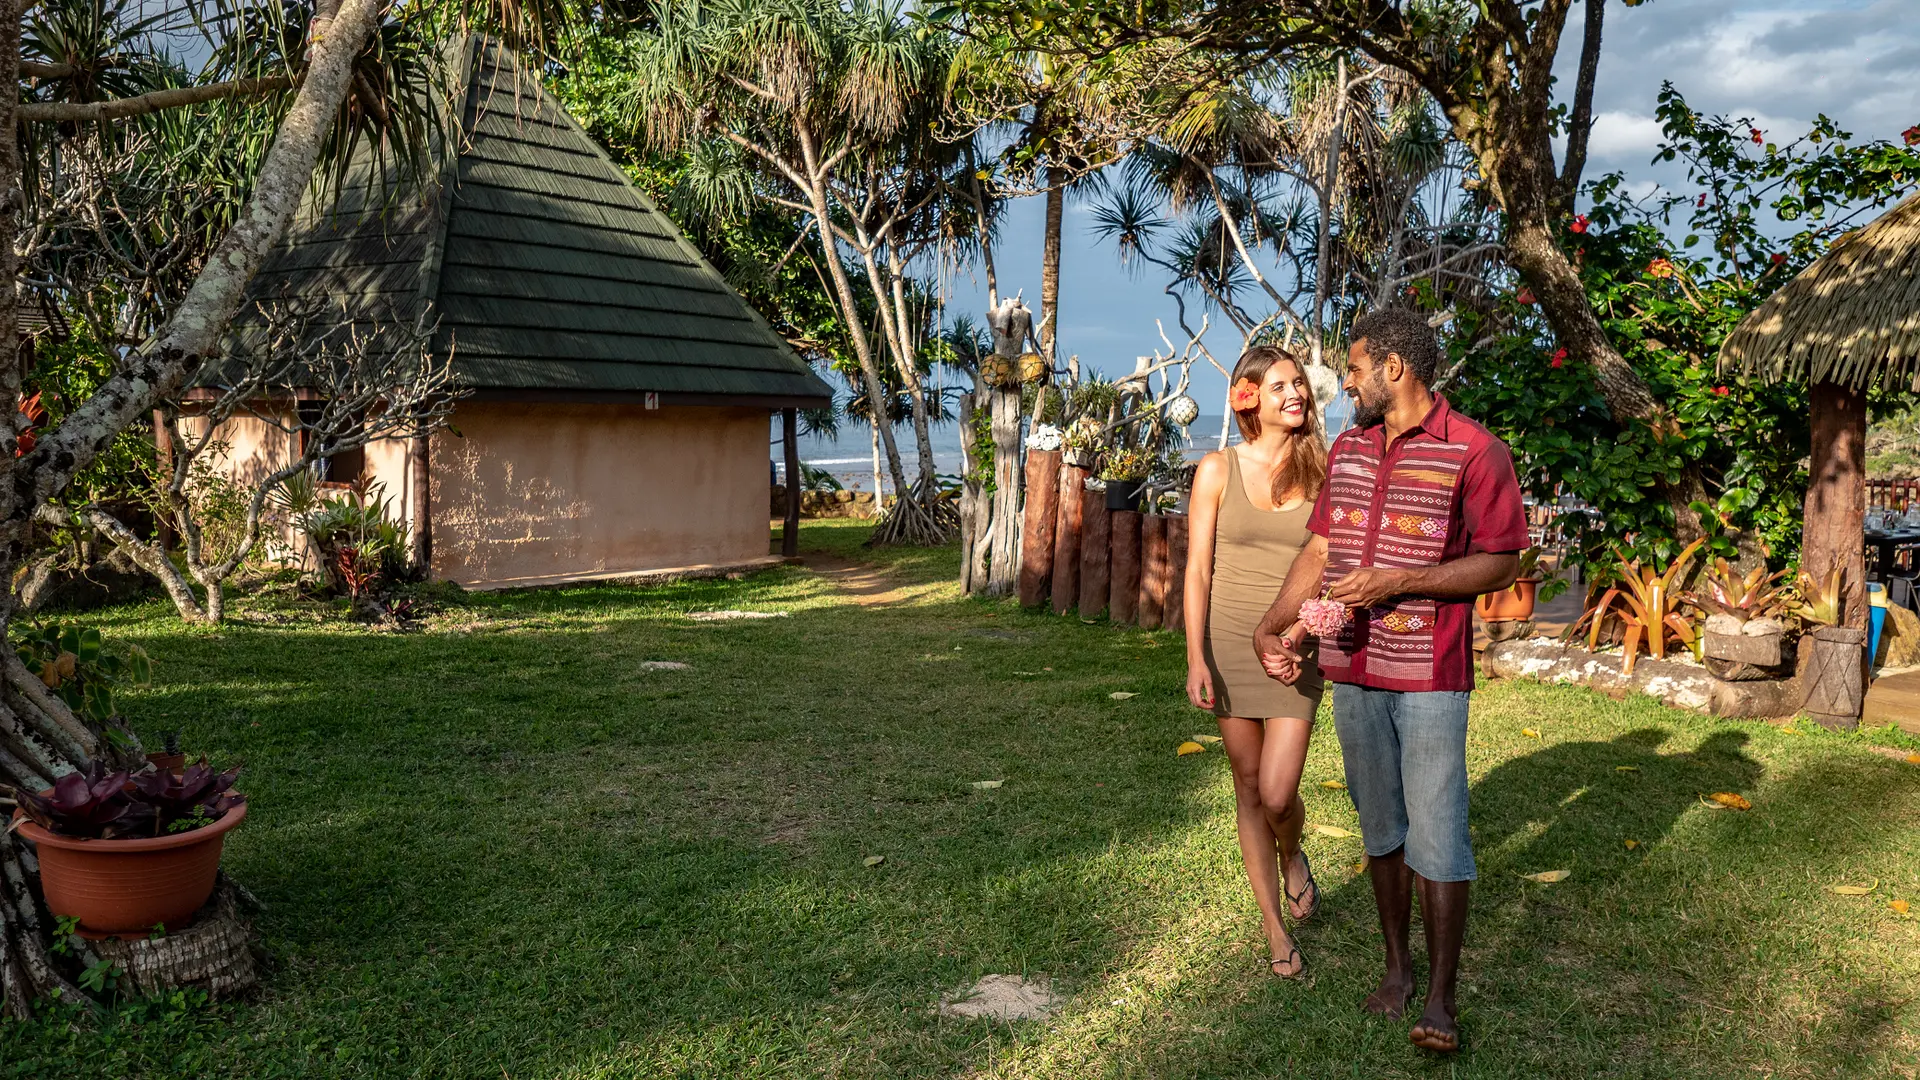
499	847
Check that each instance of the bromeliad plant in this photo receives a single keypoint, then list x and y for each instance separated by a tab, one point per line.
1817	602
1649	607
97	804
1754	595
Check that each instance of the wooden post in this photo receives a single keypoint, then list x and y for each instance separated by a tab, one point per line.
1037	525
1123	588
1096	523
790	444
1066	539
420	462
1836	507
1834	676
1175	617
1153	571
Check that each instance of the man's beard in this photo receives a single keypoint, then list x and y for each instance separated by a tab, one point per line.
1368	413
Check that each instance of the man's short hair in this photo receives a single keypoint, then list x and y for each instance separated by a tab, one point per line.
1398	330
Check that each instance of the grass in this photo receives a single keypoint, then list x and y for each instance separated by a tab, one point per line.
500	847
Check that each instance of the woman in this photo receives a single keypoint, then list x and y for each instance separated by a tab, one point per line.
1247	520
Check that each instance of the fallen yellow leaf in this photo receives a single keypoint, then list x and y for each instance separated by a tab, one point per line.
1122	695
1631	844
1856	890
1789	729
874	860
1208	739
1529	733
1361	866
1333	785
1334	831
1189	747
988	785
1727	800
1899	906
1913	759
1548	877
1626	768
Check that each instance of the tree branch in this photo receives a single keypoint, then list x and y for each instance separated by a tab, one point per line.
147	104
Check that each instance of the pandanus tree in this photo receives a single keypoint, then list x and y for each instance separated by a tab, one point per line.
828	105
76	78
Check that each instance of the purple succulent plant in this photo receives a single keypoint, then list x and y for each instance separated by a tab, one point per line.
90	804
198	796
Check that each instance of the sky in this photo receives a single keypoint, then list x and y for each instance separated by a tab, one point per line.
1780	62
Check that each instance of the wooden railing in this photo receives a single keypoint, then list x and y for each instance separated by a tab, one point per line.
1899	493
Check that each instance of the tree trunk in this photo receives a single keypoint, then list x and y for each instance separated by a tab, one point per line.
1123	584
141	383
1154	564
1037	526
1096	555
1836	506
1066	538
1003	566
1176	605
1050	262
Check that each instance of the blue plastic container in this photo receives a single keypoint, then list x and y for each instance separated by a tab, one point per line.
1877	605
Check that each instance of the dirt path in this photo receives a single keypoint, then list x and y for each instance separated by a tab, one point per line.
865	584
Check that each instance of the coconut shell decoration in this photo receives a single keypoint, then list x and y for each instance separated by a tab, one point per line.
1183	410
997	372
1033	367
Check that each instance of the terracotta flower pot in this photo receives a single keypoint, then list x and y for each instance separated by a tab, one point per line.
125	887
1513	602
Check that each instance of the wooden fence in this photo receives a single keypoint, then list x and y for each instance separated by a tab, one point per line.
1893	494
1086	559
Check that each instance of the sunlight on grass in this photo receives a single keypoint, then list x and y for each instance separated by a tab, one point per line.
500	846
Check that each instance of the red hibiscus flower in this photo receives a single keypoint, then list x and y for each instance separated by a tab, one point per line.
1702	201
1754	134
1660	268
1722	391
1579	223
1559	358
1912	135
1525	295
30	408
1246	396
1778	257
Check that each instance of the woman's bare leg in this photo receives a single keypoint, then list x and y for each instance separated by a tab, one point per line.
1244	740
1283	757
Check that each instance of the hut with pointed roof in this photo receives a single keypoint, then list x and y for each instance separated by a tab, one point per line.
619	392
1847	323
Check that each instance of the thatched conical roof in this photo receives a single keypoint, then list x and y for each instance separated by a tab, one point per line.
1853	317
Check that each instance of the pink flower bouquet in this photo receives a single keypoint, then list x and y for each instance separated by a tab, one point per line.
1324	617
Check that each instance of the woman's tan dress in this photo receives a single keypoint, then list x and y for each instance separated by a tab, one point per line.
1252	550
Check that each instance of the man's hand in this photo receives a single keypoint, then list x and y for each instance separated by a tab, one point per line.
1368	586
1279	653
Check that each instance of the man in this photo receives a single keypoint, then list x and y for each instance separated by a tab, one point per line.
1420	514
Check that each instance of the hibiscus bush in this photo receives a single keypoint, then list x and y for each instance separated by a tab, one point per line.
1670	274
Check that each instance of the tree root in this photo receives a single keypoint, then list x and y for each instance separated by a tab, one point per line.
922	519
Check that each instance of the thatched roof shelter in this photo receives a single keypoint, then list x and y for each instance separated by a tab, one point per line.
1853	317
1845	324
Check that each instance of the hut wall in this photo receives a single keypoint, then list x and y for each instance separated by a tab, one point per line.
254	449
530	493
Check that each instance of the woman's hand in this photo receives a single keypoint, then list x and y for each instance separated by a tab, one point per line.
1199	685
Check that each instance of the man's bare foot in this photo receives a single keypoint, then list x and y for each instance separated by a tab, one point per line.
1391	997
1436	1030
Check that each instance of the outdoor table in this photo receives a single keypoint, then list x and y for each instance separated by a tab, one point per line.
1892	553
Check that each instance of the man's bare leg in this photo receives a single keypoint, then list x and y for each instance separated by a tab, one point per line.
1393	896
1443	914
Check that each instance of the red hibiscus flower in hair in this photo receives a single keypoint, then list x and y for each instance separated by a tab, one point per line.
1579	223
1560	357
1246	396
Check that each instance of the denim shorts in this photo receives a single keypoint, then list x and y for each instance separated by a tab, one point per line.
1406	758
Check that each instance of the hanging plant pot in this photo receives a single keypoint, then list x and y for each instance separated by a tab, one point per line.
124	888
1124	494
1514	602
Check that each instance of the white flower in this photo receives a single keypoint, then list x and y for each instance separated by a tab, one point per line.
1043	437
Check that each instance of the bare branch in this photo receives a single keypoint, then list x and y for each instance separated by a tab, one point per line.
60	112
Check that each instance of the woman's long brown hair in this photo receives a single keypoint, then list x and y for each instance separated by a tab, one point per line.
1303	464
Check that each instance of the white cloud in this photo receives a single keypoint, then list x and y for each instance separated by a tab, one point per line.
1623	135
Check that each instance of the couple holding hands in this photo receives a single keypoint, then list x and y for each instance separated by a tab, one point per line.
1385	539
